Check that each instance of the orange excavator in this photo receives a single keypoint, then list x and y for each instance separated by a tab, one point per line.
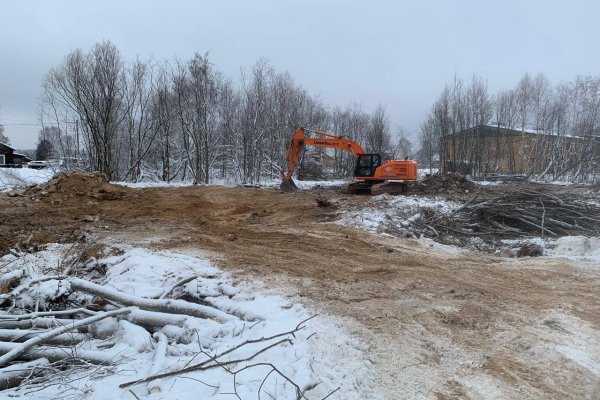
372	175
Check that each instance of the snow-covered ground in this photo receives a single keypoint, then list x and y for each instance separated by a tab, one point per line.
304	185
307	185
152	184
323	184
319	358
11	178
384	211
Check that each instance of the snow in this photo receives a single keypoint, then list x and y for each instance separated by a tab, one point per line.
153	184
307	185
319	358
533	131
579	248
12	178
394	215
385	210
274	183
423	172
316	184
488	183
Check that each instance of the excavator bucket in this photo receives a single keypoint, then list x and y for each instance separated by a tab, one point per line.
288	185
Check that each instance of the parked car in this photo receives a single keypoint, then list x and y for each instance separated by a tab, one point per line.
40	164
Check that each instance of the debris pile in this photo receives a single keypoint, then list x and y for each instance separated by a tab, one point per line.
530	250
443	183
523	213
157	315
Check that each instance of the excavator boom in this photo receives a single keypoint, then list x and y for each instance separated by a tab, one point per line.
323	139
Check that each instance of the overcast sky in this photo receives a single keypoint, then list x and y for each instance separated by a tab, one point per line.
400	54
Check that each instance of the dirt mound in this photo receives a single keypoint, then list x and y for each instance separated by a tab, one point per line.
78	183
444	183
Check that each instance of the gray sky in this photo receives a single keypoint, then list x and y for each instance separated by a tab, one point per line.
397	53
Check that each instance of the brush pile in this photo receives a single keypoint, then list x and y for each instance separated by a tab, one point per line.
523	213
135	320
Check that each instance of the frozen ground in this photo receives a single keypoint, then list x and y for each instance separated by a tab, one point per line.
431	323
320	358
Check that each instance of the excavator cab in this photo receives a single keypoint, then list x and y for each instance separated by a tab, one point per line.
366	164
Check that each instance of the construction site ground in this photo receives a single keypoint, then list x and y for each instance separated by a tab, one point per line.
437	323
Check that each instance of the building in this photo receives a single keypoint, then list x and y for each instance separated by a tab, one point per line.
488	149
11	159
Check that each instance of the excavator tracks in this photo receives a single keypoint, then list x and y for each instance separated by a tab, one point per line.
393	188
373	188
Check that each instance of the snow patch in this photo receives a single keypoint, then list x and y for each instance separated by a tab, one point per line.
385	212
14	178
488	183
580	248
153	184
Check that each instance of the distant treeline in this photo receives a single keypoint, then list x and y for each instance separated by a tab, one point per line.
176	120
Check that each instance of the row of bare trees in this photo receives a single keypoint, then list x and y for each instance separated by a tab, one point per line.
559	128
185	120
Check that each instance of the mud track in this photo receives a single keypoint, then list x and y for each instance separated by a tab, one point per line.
437	324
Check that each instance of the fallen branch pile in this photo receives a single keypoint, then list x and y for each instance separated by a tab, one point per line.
54	336
57	327
514	215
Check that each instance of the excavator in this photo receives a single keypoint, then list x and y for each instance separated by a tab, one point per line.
372	175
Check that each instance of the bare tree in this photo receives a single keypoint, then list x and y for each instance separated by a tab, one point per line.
196	88
429	142
92	87
404	148
378	135
139	124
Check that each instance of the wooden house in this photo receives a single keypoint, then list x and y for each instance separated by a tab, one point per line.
9	158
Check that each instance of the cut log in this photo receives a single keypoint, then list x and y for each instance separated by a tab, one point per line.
58	353
169	306
42	323
21	348
21	335
13	375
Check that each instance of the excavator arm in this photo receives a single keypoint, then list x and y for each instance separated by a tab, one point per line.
322	139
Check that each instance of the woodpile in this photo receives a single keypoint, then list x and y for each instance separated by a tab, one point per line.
61	323
518	214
